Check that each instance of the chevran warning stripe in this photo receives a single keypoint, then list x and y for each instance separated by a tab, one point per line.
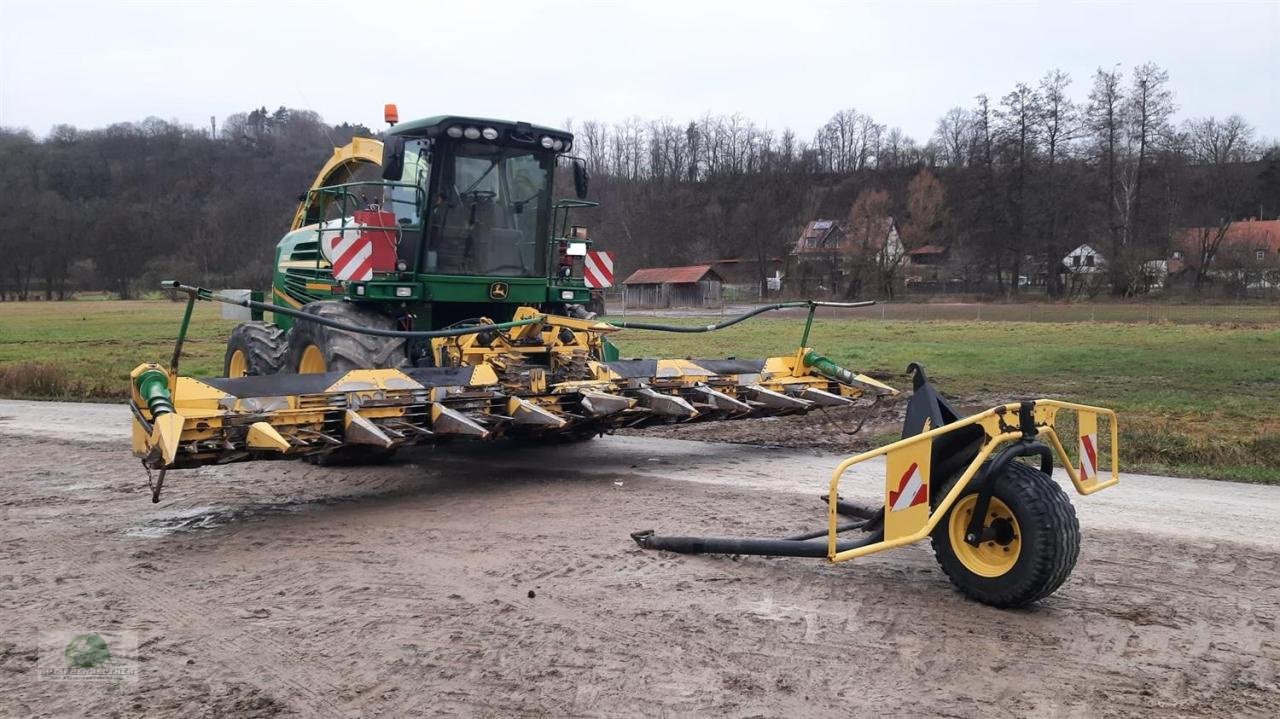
911	490
1088	457
353	257
597	269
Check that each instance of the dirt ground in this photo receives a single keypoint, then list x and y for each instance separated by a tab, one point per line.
455	582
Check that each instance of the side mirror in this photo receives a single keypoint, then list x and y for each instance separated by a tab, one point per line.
393	159
581	178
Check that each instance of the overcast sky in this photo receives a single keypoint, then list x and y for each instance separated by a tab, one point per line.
782	63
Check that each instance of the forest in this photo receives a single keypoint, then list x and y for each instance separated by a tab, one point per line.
1009	185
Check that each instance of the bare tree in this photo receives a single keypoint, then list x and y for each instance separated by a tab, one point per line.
954	136
1105	118
1059	125
1019	117
1218	148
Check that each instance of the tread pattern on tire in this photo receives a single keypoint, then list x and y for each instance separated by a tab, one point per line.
1050	541
263	344
345	351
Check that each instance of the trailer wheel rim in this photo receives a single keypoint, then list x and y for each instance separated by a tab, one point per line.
239	364
312	361
992	558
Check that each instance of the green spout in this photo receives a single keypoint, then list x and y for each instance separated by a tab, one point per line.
153	387
825	367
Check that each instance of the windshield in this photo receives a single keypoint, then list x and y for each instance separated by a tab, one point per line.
488	211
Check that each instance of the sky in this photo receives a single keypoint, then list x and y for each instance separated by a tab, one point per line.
782	64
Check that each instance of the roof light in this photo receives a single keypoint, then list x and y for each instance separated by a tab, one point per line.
547	142
390	114
489	133
471	133
454	131
559	145
568	145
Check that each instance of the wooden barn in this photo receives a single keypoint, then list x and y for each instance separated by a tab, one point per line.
662	287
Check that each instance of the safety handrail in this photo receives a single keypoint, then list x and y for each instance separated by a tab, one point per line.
989	446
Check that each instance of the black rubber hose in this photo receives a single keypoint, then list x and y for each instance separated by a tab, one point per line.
476	329
407	334
734	320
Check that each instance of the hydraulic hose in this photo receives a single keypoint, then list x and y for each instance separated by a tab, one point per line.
205	294
297	314
735	320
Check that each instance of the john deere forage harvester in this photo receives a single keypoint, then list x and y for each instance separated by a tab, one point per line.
446	301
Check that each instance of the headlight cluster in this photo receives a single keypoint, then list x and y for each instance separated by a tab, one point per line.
471	132
552	143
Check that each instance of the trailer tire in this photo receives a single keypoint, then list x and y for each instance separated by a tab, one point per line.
254	348
314	347
1035	555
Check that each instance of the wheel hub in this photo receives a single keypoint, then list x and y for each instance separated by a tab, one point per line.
239	365
1001	543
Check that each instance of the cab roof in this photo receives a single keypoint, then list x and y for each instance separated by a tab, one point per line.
433	126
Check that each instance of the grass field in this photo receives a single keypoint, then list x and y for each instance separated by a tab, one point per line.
1195	398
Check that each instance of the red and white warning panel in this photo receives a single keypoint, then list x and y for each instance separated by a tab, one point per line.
906	489
352	256
597	269
1088	457
911	490
1087	423
363	245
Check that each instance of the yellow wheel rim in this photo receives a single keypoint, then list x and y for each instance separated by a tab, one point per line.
992	558
239	364
312	361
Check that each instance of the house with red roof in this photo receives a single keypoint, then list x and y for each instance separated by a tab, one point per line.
1245	254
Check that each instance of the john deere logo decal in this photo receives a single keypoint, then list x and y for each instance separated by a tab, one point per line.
498	291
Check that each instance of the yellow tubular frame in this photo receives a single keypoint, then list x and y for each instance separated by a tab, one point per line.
991	420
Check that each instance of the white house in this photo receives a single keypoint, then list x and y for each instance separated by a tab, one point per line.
1084	260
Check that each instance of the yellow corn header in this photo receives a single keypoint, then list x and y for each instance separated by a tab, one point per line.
537	375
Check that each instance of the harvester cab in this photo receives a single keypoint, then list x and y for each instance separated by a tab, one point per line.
462	223
443	301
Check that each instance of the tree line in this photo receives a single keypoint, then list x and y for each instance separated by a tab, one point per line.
1009	184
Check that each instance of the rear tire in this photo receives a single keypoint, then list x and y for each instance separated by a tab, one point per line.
326	349
1036	548
254	348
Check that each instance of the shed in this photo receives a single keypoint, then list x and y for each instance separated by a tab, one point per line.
661	287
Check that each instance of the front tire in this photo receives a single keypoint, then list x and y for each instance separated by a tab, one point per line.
254	348
1035	545
315	348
